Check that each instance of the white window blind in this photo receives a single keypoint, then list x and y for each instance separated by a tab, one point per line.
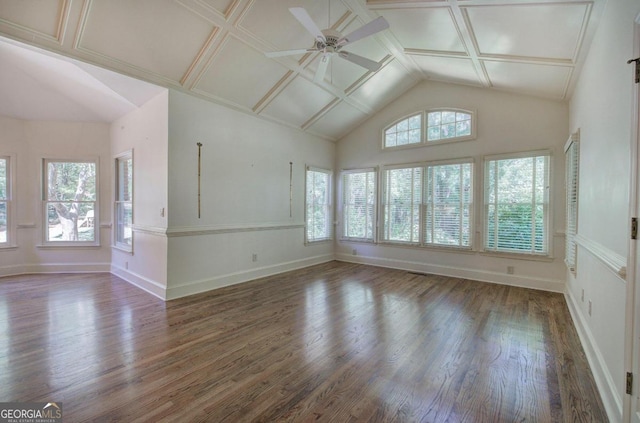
401	204
359	204
124	202
318	204
572	157
517	204
4	201
448	204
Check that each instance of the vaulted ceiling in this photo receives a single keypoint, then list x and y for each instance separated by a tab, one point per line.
215	49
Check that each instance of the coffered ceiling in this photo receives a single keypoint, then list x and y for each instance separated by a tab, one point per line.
215	49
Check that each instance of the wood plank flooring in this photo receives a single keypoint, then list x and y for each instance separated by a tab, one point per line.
335	342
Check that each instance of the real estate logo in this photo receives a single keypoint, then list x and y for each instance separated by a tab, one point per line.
31	412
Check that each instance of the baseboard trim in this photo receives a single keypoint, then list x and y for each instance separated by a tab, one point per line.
543	284
152	287
196	287
604	381
13	270
22	269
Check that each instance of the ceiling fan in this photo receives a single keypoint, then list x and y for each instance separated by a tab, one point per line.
330	42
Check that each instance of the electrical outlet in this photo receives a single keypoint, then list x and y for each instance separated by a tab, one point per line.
126	265
354	252
589	307
511	270
583	295
254	257
161	211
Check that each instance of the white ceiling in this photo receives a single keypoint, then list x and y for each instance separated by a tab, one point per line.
215	49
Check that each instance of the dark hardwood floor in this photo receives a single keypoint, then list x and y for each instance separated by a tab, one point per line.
336	342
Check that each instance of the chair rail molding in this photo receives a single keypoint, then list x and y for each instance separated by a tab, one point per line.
612	260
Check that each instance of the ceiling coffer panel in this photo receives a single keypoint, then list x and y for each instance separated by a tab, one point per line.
40	18
338	121
298	102
552	31
220	6
240	74
461	70
384	86
166	42
431	29
541	80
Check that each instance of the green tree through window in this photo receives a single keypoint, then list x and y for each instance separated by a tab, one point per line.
318	204
359	198
516	204
70	201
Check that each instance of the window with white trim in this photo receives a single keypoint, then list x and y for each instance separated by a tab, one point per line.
449	125
401	205
318	213
123	208
572	159
431	126
5	201
517	203
429	204
359	204
70	200
406	131
449	204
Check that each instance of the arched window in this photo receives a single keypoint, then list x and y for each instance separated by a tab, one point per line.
449	124
431	126
406	131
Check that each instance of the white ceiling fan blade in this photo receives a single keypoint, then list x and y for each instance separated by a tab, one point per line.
303	17
322	68
361	61
365	30
289	52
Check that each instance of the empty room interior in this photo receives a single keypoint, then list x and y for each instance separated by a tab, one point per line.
332	210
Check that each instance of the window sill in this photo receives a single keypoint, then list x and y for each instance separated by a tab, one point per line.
319	241
519	256
68	246
358	240
123	249
8	247
441	248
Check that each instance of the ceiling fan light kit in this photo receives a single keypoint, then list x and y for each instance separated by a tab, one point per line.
329	42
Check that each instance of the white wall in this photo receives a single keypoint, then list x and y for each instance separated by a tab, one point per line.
505	123
244	196
30	142
600	109
145	131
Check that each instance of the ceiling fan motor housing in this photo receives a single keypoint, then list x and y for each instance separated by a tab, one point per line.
331	37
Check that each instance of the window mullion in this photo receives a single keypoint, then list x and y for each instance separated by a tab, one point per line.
533	204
